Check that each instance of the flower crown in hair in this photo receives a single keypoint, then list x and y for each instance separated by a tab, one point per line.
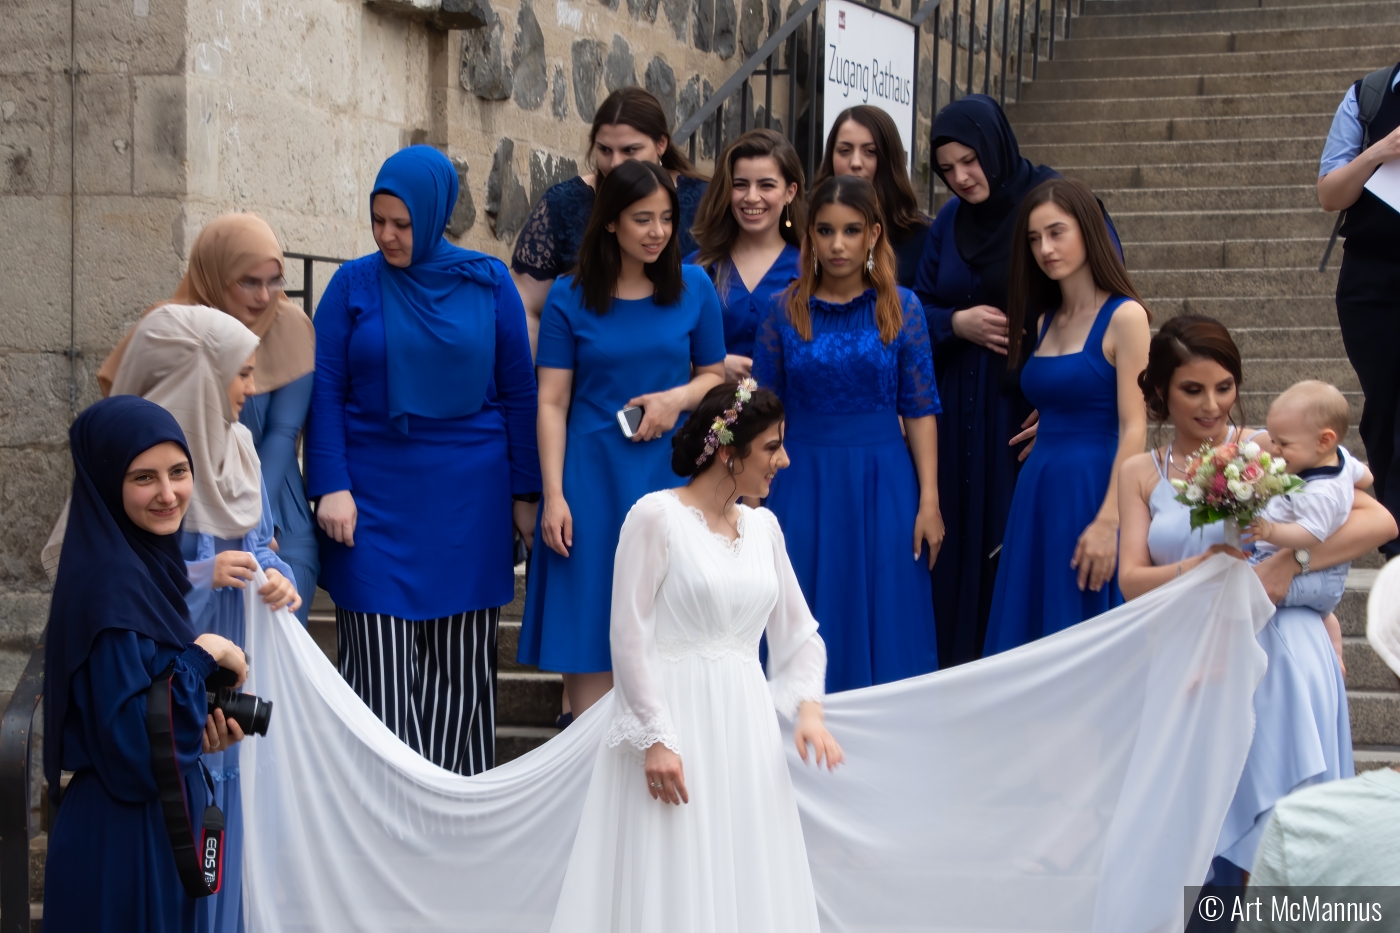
720	434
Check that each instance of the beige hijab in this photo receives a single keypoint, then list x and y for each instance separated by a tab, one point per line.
183	358
227	249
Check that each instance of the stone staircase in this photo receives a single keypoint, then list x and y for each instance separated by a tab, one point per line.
527	701
1200	124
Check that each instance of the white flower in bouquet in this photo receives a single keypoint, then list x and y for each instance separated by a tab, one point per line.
1250	451
1194	494
1232	471
1242	491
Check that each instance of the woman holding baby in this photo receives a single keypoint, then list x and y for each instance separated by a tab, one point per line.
1302	732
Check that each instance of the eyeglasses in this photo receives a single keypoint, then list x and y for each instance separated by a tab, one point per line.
252	286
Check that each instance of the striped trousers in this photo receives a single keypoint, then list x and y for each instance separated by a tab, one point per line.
432	683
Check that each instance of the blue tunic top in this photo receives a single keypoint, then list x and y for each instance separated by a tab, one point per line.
548	245
110	865
848	502
636	348
434	534
743	309
276	420
1060	490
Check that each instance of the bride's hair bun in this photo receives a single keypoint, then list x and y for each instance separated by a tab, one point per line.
688	442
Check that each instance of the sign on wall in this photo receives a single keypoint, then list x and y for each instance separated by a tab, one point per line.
869	60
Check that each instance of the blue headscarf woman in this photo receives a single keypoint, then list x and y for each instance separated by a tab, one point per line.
117	622
962	283
421	448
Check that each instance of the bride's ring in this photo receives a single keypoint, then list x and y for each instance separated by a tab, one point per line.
658	786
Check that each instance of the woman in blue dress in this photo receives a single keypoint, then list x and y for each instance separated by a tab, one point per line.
633	327
865	142
1061	544
1302	732
421	448
629	124
198	363
236	265
749	228
118	622
848	354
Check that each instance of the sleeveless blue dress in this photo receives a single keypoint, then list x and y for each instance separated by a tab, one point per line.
848	501
1061	488
1302	726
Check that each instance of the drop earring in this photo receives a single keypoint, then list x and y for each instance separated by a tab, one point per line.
787	221
870	261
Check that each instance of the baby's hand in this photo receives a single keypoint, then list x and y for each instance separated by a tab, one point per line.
1259	529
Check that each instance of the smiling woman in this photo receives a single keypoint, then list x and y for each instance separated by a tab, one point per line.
632	327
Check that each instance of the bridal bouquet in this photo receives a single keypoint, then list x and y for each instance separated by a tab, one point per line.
1232	483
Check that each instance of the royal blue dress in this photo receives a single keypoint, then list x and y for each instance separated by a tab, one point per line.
635	348
434	535
109	845
220	612
548	245
1060	490
743	309
276	420
847	503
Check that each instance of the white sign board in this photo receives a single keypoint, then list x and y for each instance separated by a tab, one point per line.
869	60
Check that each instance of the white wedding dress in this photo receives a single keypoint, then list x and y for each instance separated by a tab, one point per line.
689	607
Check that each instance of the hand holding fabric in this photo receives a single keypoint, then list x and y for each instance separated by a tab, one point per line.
279	592
233	568
811	730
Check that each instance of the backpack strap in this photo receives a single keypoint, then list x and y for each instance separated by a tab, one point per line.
1370	93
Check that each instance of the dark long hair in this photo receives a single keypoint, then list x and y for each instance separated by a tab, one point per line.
1030	292
1185	338
760	413
600	256
632	106
715	228
898	202
854	192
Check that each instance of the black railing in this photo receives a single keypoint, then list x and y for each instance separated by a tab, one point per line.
307	292
782	57
17	792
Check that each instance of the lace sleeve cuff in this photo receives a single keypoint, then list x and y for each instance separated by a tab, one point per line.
626	727
803	679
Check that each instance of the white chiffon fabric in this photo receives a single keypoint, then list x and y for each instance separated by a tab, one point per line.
1074	784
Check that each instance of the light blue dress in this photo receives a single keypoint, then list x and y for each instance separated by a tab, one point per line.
1302	728
221	612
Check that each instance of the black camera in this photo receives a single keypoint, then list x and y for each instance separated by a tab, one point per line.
251	713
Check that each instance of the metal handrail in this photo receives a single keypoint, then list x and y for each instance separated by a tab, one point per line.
16	731
307	292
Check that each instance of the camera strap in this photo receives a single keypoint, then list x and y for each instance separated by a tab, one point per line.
201	867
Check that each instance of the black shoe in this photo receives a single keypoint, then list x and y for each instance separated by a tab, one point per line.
563	721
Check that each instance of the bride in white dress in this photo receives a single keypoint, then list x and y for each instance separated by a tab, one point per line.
690	823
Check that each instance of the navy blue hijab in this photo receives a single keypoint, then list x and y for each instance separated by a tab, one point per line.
440	312
983	232
112	574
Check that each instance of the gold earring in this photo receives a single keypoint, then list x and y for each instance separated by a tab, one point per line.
787	221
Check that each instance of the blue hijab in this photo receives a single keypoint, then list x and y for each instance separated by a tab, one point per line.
112	574
440	312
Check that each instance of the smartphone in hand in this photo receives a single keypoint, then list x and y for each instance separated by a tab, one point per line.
630	419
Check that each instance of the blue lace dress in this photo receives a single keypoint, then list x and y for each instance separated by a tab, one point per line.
548	245
848	501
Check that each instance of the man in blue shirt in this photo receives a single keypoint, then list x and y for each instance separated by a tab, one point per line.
1368	290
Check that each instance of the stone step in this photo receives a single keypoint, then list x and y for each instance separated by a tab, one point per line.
1220	43
1175	226
1208	174
528	698
1178	129
1298	311
1351	612
1235	198
1257	401
1375	717
514	741
1329	81
1361	56
1142	24
1110	7
1182	152
1375	757
1263	283
1232	104
1365	669
1297	343
508	645
1224	254
1275	375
